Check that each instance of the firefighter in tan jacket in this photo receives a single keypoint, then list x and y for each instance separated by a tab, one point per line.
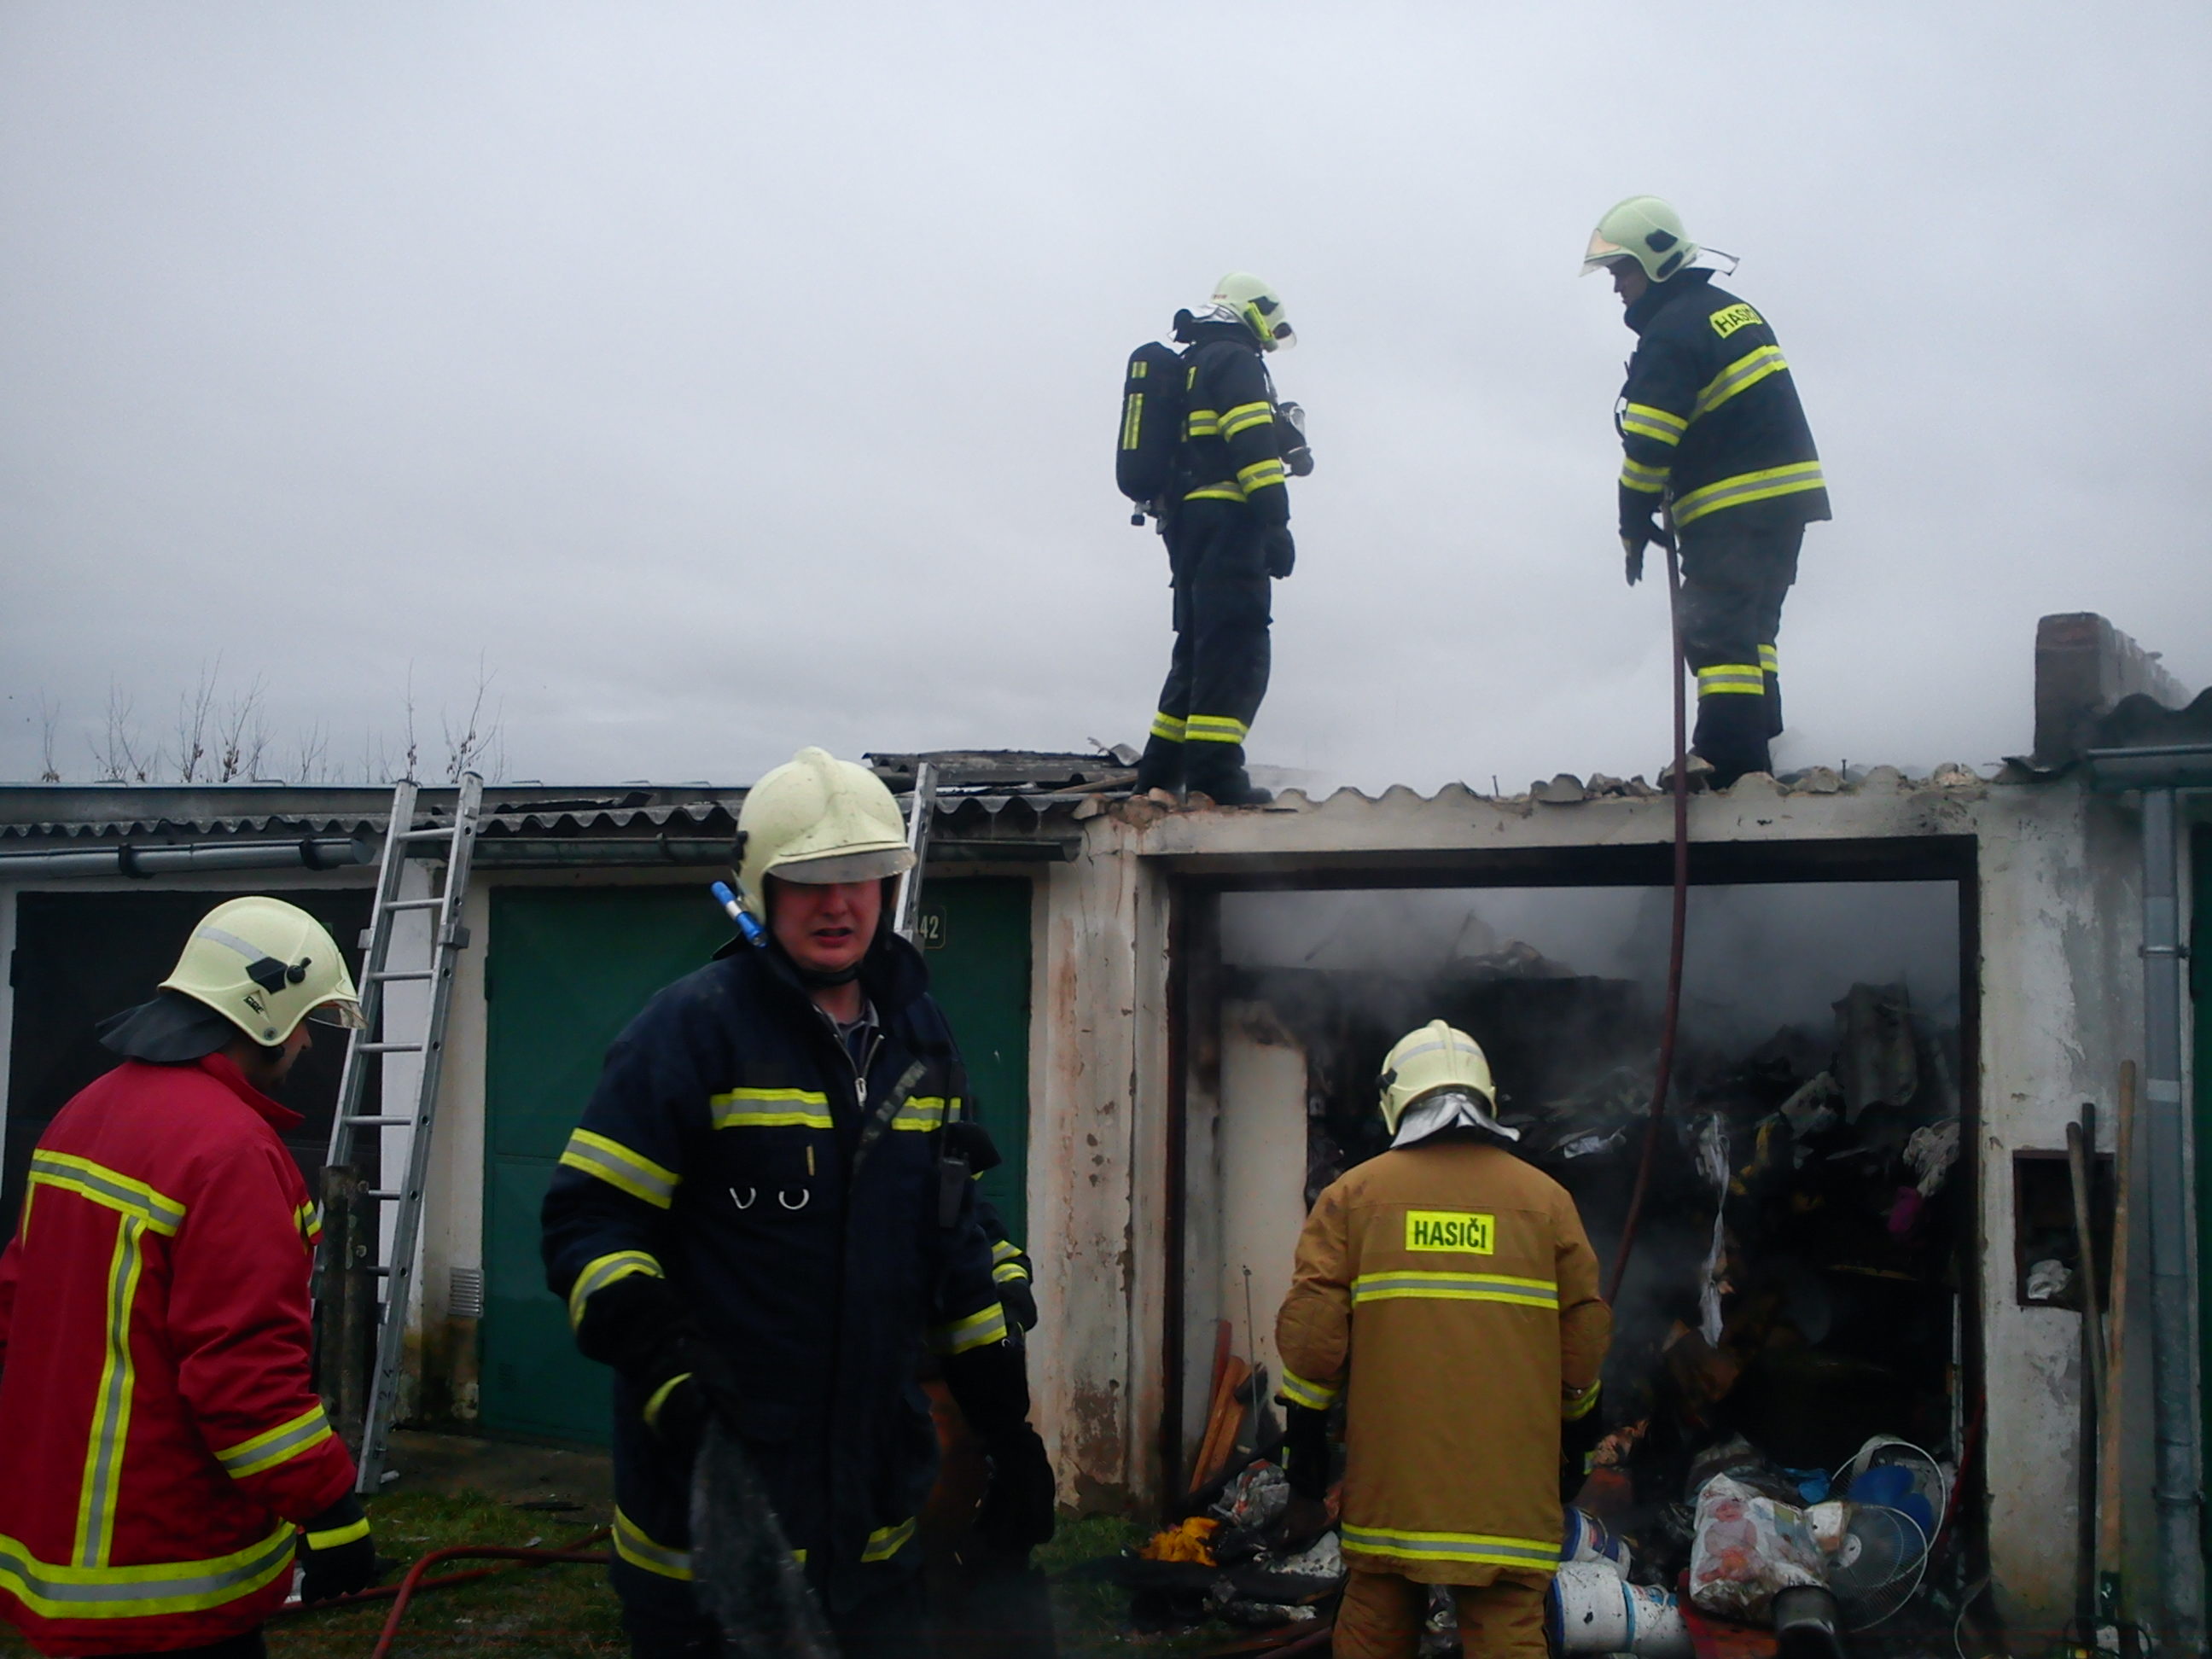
1447	1291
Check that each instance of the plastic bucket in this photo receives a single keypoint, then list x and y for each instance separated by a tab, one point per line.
1587	1540
1594	1611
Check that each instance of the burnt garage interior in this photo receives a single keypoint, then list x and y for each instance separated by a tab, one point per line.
1802	1278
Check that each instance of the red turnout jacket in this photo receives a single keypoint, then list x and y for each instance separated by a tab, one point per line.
158	1437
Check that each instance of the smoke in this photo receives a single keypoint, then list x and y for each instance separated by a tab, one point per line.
1757	958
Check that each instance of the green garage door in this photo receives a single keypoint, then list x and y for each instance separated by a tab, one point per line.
568	968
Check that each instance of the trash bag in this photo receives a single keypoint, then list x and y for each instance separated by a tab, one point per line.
1748	1547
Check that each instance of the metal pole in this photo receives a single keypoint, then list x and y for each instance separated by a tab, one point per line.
2172	1305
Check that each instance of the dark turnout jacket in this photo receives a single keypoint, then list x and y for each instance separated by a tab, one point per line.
793	1197
1710	421
1232	450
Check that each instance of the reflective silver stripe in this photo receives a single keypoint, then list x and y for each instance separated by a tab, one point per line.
103	1185
616	1164
1453	1287
635	1547
602	1271
1312	1396
111	1420
885	1542
267	1451
1747	370
1451	1546
125	1592
920	1112
251	952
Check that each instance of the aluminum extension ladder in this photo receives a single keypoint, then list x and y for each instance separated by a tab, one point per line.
454	843
906	911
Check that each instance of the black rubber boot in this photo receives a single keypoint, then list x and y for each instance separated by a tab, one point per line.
1731	736
1161	765
1216	770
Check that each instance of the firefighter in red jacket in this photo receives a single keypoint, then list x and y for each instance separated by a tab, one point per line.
163	1456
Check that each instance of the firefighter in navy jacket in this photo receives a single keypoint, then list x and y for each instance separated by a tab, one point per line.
1228	532
163	1456
766	1214
1712	431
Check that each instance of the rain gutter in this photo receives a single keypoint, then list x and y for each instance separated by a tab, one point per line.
312	852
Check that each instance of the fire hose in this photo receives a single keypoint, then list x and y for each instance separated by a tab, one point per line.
1671	1020
401	1594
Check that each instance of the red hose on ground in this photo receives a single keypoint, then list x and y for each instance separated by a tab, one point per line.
415	1581
386	1592
1672	1019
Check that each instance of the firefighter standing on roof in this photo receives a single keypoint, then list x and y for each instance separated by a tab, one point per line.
163	1456
1227	519
1713	433
1446	1292
766	1214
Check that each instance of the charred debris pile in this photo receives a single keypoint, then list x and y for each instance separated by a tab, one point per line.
1788	1322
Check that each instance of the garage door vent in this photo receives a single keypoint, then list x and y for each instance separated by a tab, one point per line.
464	1300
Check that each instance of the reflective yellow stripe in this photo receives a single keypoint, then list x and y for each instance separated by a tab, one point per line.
1202	423
924	1112
1731	678
138	1592
1244	417
309	1221
1261	474
1132	418
1222	491
1167	726
1216	728
111	1187
334	1537
266	1451
1006	1250
1770	659
619	1167
1315	1396
1747	487
110	1412
1652	422
1455	1287
601	1271
770	1108
1488	1548
1647	480
1575	1405
1745	371
975	1331
1008	1272
652	1412
885	1542
640	1551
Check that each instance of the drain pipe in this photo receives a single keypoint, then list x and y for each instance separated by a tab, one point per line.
2181	1564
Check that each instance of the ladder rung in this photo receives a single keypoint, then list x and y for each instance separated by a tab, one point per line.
392	1048
379	1123
415	904
435	832
377	1191
389	975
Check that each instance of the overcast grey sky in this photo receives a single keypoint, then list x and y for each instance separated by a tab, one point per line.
727	377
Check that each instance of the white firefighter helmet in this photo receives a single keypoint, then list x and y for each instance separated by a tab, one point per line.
1438	1077
265	966
1642	229
1259	308
817	819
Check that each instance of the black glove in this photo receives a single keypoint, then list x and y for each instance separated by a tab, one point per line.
1305	1450
1017	1513
640	1327
1635	533
1279	550
1019	1301
335	1553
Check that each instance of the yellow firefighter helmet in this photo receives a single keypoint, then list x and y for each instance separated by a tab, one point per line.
1436	1061
1642	229
1259	306
817	819
265	966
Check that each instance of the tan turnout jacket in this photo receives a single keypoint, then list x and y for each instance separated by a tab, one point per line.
1448	1290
